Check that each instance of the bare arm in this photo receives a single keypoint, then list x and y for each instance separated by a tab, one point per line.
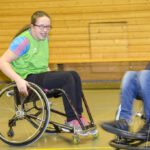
6	68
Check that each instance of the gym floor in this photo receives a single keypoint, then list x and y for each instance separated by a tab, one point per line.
103	105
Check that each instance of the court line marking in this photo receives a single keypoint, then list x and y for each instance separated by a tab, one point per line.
80	148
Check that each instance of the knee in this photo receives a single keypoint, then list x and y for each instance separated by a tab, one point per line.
75	75
129	78
144	74
69	78
144	77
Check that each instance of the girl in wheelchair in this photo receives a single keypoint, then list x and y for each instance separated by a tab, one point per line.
135	85
27	59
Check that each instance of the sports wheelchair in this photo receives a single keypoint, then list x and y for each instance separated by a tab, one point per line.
130	140
23	119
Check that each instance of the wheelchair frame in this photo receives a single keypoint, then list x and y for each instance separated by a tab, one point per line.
33	112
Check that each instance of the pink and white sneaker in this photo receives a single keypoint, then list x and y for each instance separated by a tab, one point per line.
75	124
84	121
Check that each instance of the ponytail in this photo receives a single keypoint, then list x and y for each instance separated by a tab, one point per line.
22	30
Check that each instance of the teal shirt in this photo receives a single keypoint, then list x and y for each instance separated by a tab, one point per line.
35	60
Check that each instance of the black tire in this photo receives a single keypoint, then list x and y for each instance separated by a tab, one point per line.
129	145
23	119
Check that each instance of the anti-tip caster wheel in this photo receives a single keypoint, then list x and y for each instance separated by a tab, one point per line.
95	135
76	139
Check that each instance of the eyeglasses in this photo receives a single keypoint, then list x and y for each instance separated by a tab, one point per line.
42	27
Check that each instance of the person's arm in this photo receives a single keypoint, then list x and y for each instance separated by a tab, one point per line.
6	68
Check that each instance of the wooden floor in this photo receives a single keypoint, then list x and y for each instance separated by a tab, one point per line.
103	104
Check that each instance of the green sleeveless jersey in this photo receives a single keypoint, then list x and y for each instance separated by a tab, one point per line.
35	60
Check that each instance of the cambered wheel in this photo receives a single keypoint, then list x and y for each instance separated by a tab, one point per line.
23	119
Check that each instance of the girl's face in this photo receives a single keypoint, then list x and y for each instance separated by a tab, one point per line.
41	28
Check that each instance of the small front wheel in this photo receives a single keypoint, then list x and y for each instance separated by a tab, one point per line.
76	139
10	133
95	135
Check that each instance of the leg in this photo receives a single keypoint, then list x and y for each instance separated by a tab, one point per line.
143	134
64	80
79	95
144	79
129	91
78	90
